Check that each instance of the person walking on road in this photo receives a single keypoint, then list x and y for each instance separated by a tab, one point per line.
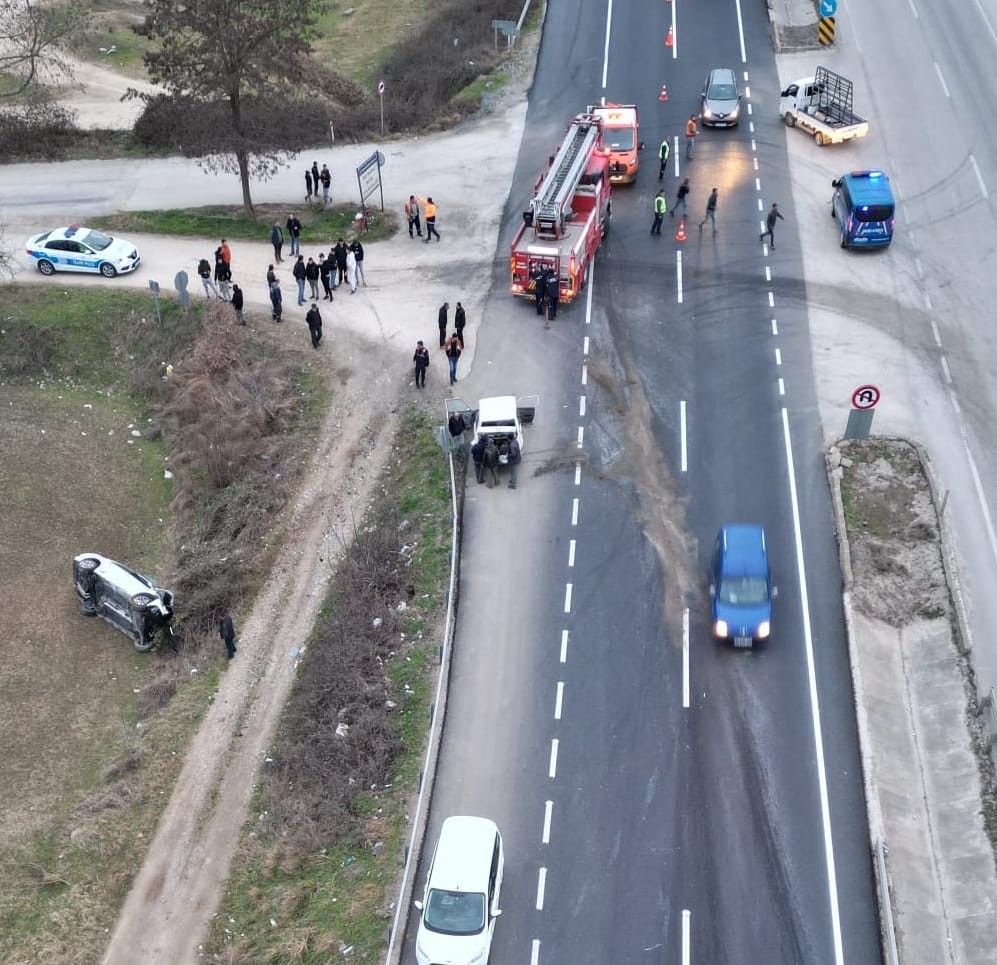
430	209
664	153
660	207
491	461
691	130
515	457
204	273
441	321
412	213
453	354
314	321
357	250
294	233
682	198
277	240
237	303
459	321
299	276
226	630
770	219
421	360
711	211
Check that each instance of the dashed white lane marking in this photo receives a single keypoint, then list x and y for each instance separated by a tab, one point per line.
545	836
585	345
754	147
754	164
581	436
581	407
945	370
535	952
686	936
552	767
541	887
749	110
936	333
567	598
758	184
941	80
782	387
571	553
913	10
678	274
979	178
759	204
564	646
768	274
771	300
778	356
685	658
578	473
751	128
682	436
775	327
585	375
559	700
574	511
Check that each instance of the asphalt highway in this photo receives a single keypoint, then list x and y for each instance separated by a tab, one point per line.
663	797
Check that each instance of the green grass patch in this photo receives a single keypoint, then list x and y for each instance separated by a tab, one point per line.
298	895
231	222
475	92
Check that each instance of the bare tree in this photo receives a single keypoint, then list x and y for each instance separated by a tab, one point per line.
230	68
31	37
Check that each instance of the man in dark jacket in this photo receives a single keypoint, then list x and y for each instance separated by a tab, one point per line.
325	267
357	250
459	321
340	255
237	303
223	275
457	426
277	240
226	630
553	294
540	287
478	455
294	233
441	321
276	299
421	359
314	321
299	276
515	457
491	461
453	354
312	275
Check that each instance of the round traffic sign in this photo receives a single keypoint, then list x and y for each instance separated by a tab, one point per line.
828	8
865	397
380	88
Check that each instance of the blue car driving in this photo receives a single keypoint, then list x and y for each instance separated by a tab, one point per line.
741	589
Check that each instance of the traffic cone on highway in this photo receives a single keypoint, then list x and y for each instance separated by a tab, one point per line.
680	234
668	39
663	96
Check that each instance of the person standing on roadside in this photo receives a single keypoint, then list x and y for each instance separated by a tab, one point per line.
277	240
430	208
412	213
326	178
457	427
357	249
312	276
478	457
271	276
204	273
351	270
308	185
324	271
226	255
453	354
682	198
421	360
276	299
691	130
294	233
770	219
237	303
459	321
226	630
664	153
313	319
711	211
340	253
315	179
441	321
660	207
299	276
223	275
514	459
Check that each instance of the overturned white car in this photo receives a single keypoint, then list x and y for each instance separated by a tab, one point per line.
125	599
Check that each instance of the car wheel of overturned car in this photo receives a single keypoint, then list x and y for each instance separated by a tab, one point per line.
141	601
108	270
89	564
46	267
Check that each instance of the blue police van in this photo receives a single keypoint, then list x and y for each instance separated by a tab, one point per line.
864	208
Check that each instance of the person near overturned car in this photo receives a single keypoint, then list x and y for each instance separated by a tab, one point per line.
457	427
226	630
421	360
478	456
491	461
514	457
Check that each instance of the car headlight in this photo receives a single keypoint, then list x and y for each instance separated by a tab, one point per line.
763	630
720	628
707	112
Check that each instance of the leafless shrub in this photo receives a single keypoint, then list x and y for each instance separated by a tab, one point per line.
26	349
155	695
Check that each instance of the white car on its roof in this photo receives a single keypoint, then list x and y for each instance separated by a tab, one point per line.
76	248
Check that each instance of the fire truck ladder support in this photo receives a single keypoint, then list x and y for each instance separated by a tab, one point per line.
559	183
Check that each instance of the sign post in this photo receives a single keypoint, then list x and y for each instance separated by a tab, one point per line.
380	97
864	400
369	180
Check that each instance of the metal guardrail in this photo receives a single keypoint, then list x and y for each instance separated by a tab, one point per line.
893	954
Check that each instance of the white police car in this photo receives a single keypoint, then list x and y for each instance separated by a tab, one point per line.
82	249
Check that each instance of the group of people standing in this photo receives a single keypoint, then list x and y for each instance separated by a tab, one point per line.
452	346
546	292
217	282
316	181
413	215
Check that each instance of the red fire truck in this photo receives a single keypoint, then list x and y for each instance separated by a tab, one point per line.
569	214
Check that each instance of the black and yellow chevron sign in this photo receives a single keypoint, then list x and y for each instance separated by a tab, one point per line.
825	31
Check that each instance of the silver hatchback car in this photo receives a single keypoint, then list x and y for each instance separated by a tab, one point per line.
721	105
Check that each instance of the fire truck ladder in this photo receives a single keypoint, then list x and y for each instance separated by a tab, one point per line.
558	186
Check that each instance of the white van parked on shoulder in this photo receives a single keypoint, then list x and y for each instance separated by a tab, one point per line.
461	901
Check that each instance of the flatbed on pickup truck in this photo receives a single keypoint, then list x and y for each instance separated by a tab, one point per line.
822	106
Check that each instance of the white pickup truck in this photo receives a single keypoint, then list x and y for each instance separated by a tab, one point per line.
822	106
500	418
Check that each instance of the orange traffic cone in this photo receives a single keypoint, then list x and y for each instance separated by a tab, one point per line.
668	39
663	96
680	234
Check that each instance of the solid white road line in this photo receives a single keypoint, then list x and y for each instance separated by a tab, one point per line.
678	274
605	50
552	768
825	805
686	936
559	700
682	436
685	658
740	32
548	807
564	646
541	886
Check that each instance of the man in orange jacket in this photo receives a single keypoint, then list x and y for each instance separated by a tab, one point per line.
429	209
690	135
